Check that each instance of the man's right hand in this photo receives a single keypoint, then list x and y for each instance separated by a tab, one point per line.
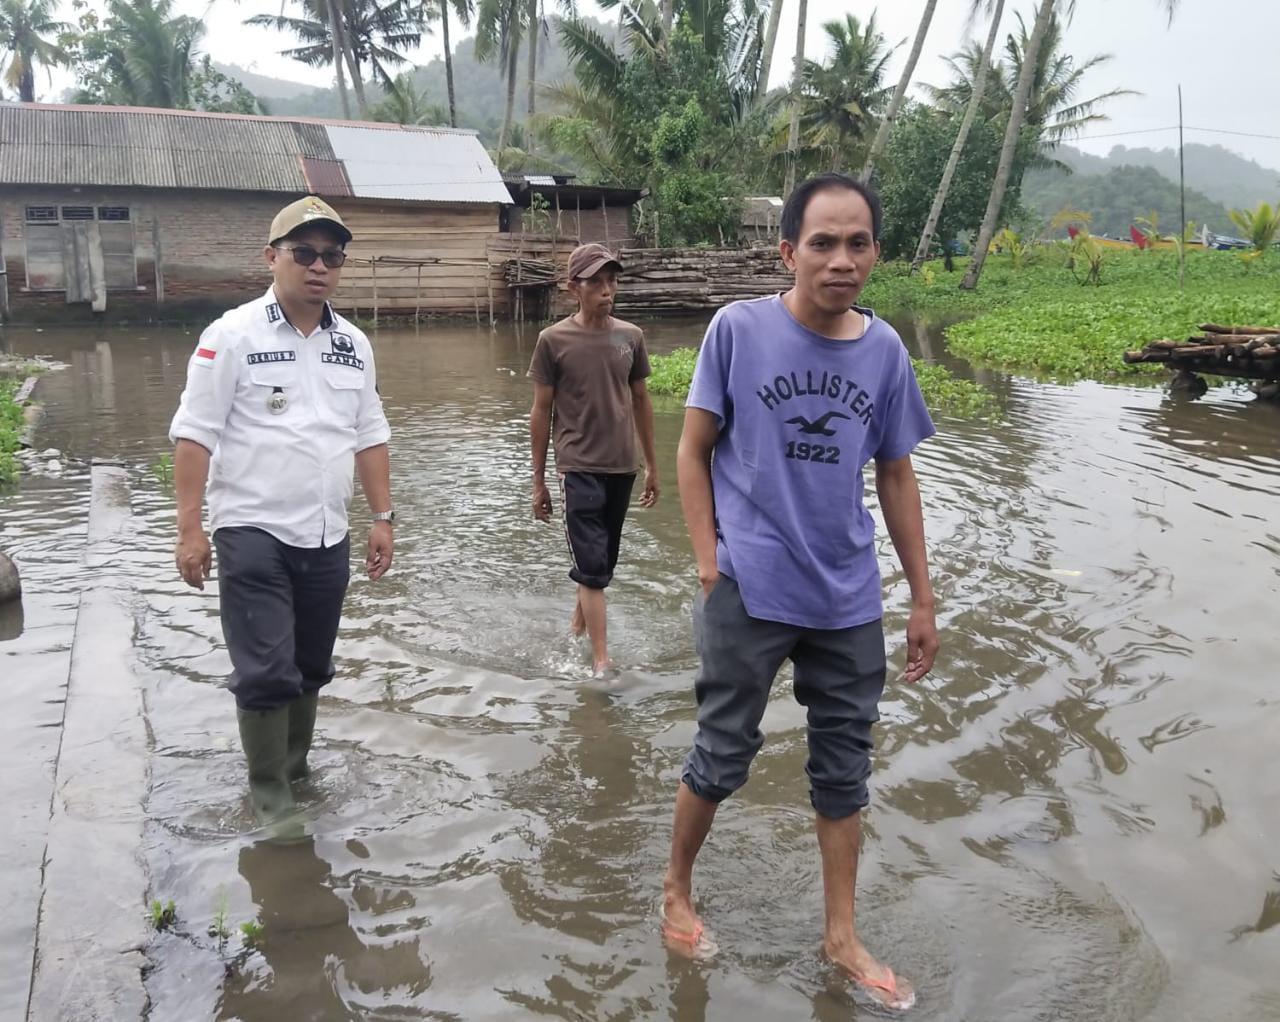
541	502
193	557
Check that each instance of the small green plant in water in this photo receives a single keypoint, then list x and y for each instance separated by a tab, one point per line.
218	929
162	469
163	914
251	934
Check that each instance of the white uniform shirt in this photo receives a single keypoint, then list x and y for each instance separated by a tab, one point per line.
290	471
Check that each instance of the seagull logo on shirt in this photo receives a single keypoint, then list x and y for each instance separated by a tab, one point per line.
818	427
342	344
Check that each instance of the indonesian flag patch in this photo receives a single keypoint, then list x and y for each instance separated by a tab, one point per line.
208	353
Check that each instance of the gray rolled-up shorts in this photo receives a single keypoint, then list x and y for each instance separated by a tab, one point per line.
839	678
280	606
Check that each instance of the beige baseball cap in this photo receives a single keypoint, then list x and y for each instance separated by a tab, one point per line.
306	213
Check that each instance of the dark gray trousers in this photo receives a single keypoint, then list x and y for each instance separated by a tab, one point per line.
280	607
839	677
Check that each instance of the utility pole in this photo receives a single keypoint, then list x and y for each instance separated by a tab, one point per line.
1182	198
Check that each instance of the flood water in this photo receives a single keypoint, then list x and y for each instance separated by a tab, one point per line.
1075	818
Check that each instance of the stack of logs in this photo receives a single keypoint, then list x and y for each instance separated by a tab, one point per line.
529	273
1248	352
665	281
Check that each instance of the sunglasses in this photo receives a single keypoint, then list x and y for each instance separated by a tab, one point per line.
305	255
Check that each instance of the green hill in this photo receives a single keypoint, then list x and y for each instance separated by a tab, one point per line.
1222	175
1116	197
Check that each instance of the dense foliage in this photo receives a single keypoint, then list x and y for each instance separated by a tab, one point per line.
1039	318
10	428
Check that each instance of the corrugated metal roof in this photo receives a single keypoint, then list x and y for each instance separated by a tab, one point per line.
417	163
134	147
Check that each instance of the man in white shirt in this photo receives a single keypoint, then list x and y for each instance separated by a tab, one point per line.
281	404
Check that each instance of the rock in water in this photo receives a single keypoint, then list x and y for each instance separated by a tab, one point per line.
10	584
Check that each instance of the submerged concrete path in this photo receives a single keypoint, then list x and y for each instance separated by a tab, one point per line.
92	928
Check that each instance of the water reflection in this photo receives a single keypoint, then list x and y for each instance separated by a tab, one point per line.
316	964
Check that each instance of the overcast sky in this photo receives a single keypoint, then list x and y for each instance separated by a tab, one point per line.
1221	51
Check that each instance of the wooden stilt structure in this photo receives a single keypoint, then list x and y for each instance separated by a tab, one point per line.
1241	352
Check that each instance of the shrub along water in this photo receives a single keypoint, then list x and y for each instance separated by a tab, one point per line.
1039	318
10	429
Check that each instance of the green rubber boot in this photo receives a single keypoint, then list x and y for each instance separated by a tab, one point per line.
264	734
302	725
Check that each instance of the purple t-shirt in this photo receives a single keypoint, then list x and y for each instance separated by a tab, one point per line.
800	414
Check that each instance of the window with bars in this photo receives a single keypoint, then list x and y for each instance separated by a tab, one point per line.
56	240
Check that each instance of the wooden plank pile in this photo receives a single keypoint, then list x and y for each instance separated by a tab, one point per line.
1247	352
666	281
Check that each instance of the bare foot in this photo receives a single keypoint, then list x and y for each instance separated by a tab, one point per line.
682	930
873	978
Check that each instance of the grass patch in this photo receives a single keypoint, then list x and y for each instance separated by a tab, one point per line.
10	429
944	392
1037	317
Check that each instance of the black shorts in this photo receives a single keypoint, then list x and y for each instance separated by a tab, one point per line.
595	506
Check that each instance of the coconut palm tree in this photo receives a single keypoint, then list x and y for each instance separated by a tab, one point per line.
373	35
144	56
25	26
406	104
1004	170
766	52
1055	111
895	104
841	97
797	81
499	24
962	136
462	10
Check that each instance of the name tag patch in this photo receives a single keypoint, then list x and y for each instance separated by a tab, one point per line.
333	358
259	357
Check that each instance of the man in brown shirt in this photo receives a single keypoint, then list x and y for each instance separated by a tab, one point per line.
588	374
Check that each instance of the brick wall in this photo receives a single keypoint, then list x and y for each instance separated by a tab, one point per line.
210	243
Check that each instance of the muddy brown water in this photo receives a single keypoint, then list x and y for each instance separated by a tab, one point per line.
1077	817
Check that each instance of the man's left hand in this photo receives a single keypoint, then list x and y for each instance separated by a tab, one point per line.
381	545
651	489
922	643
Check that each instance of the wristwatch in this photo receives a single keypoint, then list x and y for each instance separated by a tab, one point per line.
384	516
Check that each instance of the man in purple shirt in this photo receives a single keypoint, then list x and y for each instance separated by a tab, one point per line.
792	396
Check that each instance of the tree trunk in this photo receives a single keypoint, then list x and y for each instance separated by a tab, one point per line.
953	161
533	73
1010	148
513	53
793	133
668	19
357	80
766	57
335	34
895	104
448	62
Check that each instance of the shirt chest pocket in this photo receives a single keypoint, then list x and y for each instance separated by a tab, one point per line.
276	386
341	390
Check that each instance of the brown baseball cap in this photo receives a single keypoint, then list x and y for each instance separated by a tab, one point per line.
589	259
306	212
